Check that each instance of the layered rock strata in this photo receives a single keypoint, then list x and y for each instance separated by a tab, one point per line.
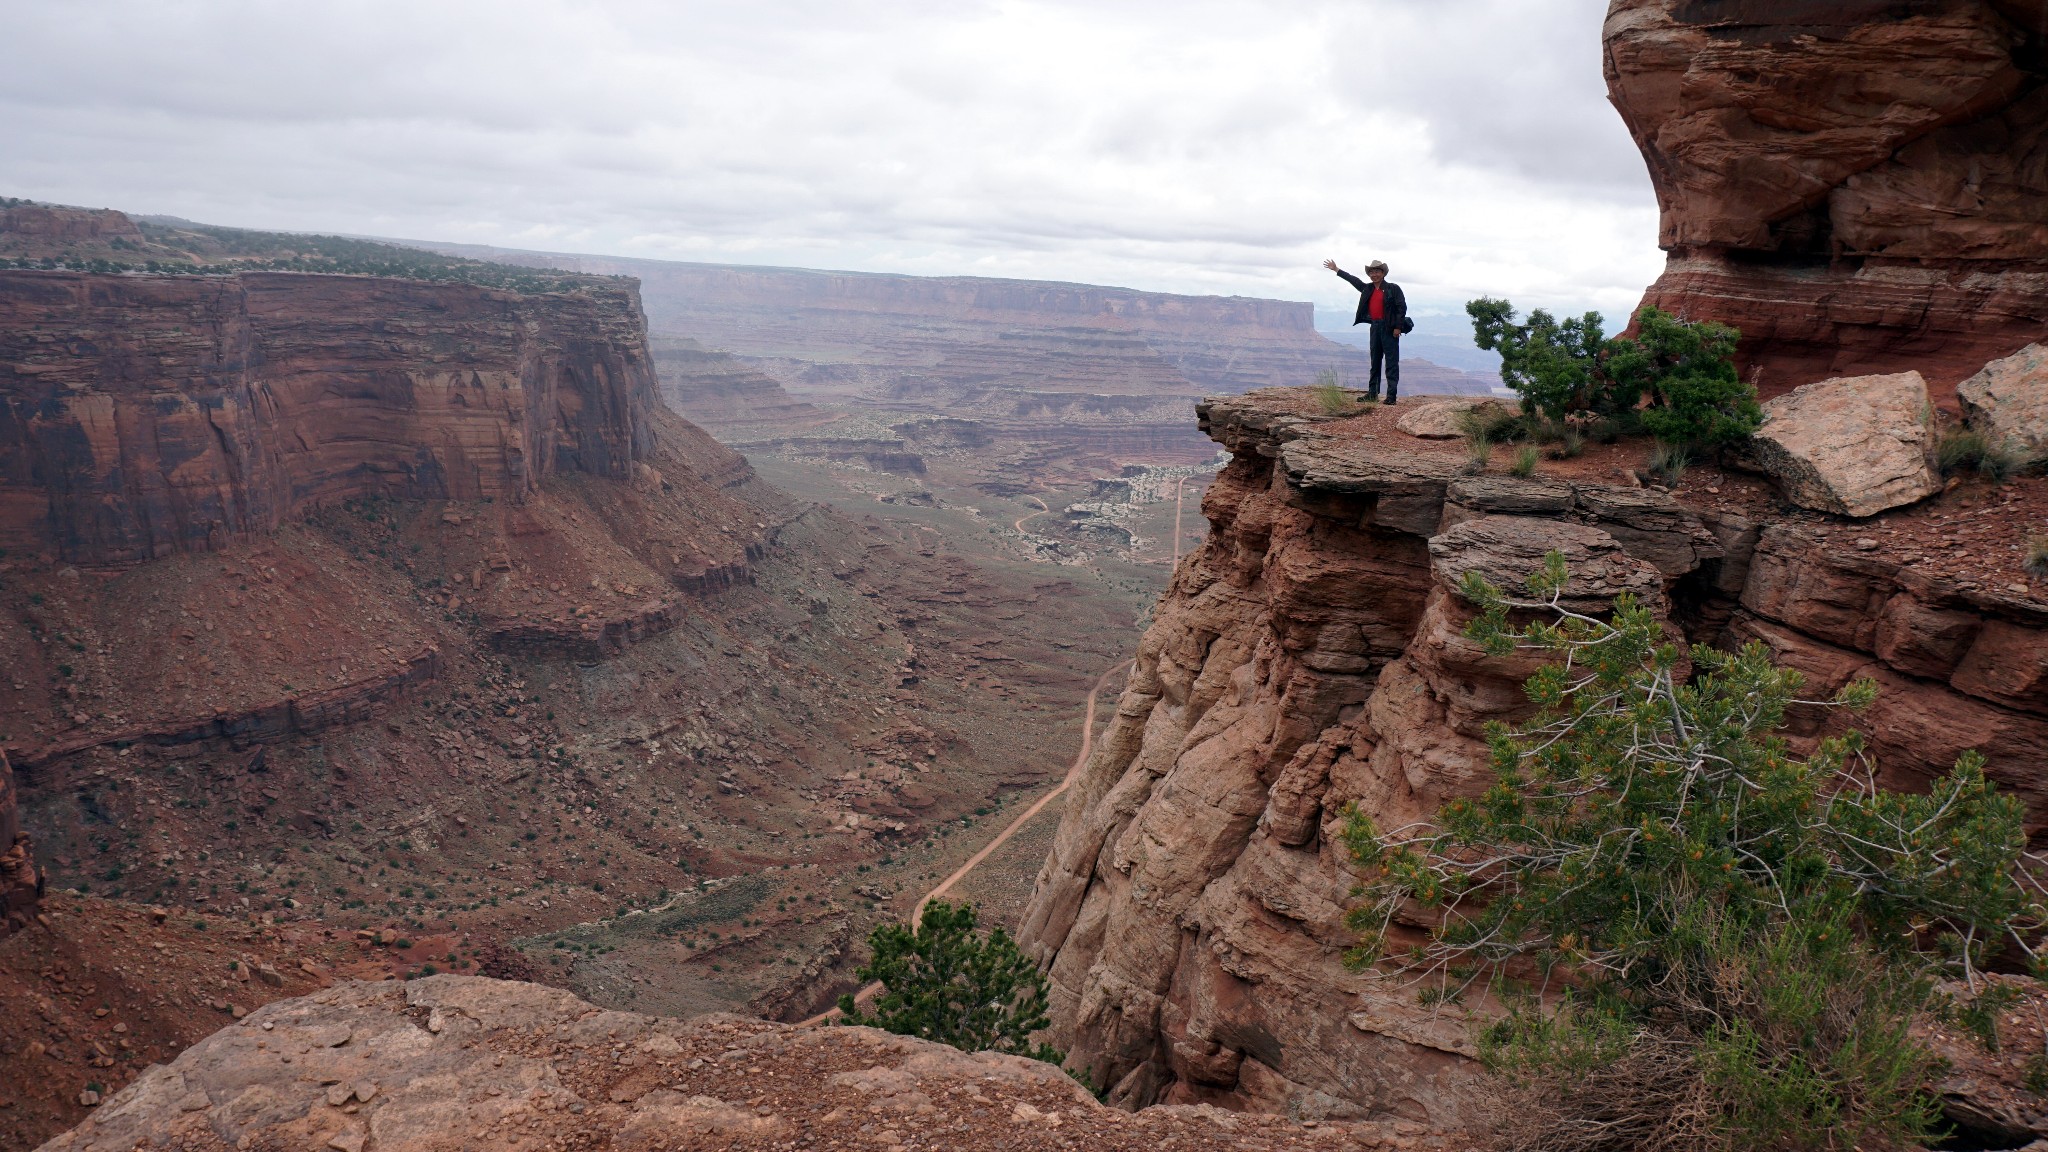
1859	188
1310	657
145	415
272	720
719	391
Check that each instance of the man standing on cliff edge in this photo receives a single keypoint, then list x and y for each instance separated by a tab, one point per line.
1381	305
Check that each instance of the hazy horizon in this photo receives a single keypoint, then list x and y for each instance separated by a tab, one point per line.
1218	149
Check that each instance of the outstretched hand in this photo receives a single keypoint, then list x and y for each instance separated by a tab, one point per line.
1332	265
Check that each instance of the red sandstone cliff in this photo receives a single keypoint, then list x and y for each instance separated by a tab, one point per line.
145	415
1309	656
1859	188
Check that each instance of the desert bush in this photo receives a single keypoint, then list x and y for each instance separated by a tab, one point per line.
1569	444
1490	423
1525	461
1668	463
2035	557
944	981
1683	371
1330	393
1967	449
1478	454
1703	939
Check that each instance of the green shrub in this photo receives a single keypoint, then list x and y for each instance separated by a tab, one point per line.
1743	937
1683	370
1686	371
1478	453
943	981
1960	449
1550	362
1525	461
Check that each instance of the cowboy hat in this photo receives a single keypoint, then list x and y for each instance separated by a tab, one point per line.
1376	266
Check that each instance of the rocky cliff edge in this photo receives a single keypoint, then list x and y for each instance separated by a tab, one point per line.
1310	656
466	1062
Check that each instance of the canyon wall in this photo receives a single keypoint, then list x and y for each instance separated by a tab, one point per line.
719	391
146	415
1860	188
1309	656
1071	365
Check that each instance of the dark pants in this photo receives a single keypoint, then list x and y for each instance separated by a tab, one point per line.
1385	347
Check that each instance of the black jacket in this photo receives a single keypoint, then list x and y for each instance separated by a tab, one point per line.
1397	303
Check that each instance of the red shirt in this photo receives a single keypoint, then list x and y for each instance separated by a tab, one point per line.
1376	304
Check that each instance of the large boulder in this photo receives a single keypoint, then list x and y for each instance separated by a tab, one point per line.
2008	402
464	1062
1442	418
1854	446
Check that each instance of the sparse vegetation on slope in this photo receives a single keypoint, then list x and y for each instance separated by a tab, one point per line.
1704	939
1967	449
206	250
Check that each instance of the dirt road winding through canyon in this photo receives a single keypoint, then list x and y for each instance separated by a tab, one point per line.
1003	837
1018	524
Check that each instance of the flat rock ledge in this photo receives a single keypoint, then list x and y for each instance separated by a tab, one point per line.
465	1062
1853	446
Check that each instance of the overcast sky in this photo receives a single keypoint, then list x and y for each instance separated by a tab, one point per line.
1163	144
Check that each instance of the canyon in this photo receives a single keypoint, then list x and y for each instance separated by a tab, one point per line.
383	647
359	624
1070	377
1858	188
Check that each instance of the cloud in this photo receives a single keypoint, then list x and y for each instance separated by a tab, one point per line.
1204	147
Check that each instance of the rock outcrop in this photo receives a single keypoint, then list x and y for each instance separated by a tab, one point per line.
468	1062
2008	402
145	415
21	886
38	230
1854	447
1444	419
1857	187
1310	657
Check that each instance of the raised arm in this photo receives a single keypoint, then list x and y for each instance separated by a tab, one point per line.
1354	281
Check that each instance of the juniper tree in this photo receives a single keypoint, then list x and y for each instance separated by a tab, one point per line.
1683	369
1702	938
945	982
